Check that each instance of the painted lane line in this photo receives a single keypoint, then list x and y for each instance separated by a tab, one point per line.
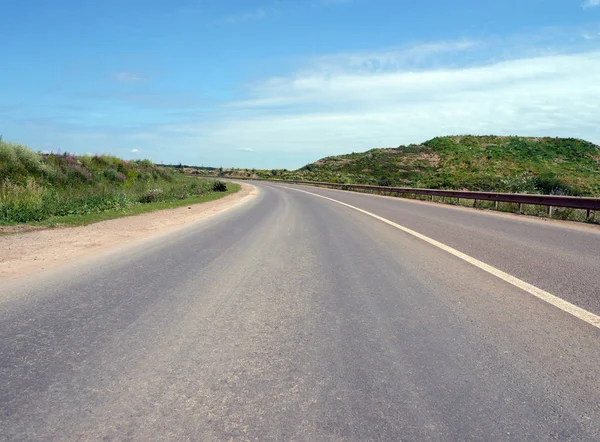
565	306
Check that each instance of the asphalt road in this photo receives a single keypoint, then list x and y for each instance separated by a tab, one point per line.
296	318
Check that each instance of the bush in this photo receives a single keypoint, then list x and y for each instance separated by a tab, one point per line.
151	196
386	182
550	184
219	186
115	176
20	203
9	161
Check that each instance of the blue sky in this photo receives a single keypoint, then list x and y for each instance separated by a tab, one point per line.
282	83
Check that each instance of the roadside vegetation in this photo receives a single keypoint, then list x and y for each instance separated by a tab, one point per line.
550	166
478	163
63	188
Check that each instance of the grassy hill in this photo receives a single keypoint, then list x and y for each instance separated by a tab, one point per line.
37	187
485	163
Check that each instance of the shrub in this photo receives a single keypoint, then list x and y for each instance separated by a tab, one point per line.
519	183
386	182
111	174
219	186
550	184
151	196
9	161
145	164
30	160
20	203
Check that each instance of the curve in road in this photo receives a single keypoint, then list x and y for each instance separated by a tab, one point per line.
292	317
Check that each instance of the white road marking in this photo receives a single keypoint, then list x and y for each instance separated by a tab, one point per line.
565	306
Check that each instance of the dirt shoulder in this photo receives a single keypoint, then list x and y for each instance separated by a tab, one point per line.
29	252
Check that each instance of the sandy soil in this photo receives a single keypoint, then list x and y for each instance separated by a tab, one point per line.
29	252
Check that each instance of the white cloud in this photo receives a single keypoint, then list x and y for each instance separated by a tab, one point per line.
320	114
409	56
591	3
358	101
134	150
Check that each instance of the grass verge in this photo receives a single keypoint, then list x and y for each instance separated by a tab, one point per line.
90	218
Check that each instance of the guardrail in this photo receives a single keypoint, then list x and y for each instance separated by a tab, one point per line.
551	201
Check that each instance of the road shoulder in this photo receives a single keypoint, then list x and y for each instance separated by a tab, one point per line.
27	253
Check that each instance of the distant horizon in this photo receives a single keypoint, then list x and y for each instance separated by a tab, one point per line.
277	84
363	151
213	167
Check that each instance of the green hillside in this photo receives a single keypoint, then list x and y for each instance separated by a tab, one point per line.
36	186
485	163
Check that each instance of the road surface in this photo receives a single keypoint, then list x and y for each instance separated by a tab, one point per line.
294	317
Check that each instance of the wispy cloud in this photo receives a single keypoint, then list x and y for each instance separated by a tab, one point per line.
357	101
323	111
591	3
408	56
134	151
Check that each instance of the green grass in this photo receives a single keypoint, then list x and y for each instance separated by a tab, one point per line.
80	220
555	166
503	164
42	188
563	166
